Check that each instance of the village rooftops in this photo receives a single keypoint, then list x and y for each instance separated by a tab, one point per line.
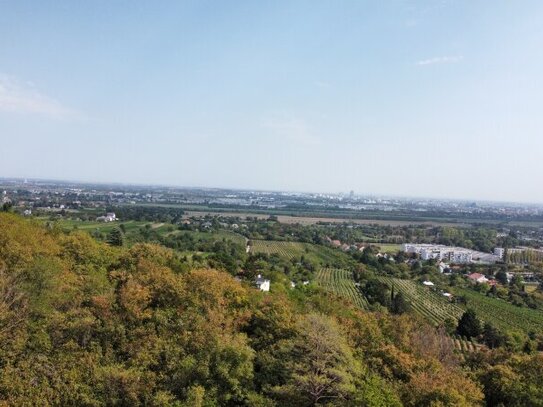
478	278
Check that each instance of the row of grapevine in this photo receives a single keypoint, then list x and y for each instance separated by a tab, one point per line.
429	304
284	249
436	308
322	255
340	281
464	345
503	314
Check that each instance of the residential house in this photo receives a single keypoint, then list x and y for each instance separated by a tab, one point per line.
262	284
477	278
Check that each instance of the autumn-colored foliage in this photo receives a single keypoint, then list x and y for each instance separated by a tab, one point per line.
84	323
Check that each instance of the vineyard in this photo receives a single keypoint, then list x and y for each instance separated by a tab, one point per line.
340	281
429	304
436	308
502	314
463	345
322	255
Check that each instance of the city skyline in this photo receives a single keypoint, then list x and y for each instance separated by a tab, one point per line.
413	99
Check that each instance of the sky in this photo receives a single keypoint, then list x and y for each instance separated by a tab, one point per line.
407	98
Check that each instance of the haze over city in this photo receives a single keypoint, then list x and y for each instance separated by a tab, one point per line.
438	99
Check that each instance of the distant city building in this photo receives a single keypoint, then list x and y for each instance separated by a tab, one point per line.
440	252
499	251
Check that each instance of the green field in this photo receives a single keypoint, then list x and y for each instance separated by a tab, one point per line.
340	282
104	227
322	255
392	248
425	302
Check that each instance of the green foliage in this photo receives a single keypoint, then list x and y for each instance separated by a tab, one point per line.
492	337
115	237
87	323
469	325
318	364
399	304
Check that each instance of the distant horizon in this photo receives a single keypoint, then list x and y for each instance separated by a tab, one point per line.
357	194
414	98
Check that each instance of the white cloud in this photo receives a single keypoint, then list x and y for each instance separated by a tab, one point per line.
22	97
441	60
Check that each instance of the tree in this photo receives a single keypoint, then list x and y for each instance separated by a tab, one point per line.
492	337
399	304
469	325
115	237
501	276
516	282
377	291
319	365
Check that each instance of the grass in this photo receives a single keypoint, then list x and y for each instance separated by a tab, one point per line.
104	227
392	248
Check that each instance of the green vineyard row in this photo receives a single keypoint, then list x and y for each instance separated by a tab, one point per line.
340	281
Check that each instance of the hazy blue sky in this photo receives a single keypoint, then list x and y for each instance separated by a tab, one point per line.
418	98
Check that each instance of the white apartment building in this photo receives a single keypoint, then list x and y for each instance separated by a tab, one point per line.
499	251
439	252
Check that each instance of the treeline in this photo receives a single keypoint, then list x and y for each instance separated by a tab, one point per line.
148	213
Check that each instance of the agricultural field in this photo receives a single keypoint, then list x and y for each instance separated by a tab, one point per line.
425	302
462	345
502	314
340	281
322	255
216	235
392	248
436	309
104	227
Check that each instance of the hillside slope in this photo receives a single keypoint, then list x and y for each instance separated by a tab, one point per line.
83	323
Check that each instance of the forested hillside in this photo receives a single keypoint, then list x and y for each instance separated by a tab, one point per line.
84	323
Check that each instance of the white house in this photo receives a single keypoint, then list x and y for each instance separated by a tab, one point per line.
428	283
110	217
262	284
442	267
